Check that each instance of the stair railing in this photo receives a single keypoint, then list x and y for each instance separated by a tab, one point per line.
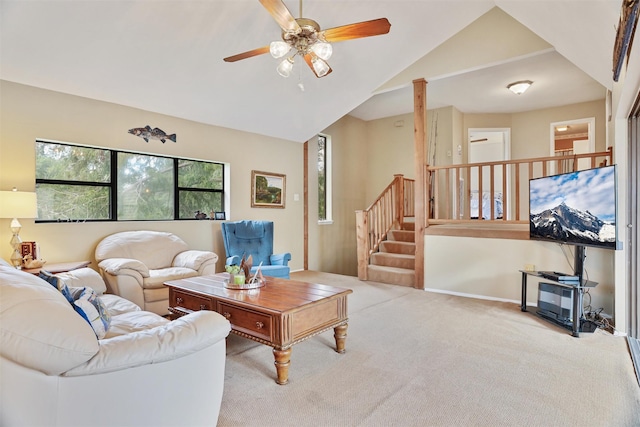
388	211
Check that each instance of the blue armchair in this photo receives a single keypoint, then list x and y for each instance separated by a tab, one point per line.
255	238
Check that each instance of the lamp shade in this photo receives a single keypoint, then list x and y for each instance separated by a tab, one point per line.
18	204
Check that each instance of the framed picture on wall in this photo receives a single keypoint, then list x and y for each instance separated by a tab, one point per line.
267	190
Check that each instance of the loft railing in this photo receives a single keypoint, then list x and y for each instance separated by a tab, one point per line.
495	191
388	211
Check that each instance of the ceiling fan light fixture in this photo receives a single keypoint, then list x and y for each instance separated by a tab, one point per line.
324	50
320	66
285	67
278	49
519	87
304	37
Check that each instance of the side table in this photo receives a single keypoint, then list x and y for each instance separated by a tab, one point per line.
56	268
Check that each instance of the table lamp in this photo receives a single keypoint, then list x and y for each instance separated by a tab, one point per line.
17	204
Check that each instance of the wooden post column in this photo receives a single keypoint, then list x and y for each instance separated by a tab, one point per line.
362	238
420	159
398	183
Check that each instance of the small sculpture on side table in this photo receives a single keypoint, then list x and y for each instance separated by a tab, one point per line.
29	262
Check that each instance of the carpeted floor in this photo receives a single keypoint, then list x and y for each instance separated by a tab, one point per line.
416	358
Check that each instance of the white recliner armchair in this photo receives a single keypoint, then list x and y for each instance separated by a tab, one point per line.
144	371
135	265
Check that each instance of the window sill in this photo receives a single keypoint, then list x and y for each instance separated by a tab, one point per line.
325	222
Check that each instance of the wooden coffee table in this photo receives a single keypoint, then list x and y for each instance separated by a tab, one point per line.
280	314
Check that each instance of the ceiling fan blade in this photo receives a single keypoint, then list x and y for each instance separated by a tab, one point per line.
249	54
375	27
307	58
281	14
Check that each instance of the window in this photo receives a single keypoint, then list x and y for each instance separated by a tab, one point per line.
199	184
76	183
324	178
72	182
145	187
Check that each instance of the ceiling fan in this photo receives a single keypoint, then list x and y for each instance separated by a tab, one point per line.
308	40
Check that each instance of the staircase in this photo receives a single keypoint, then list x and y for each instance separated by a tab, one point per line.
395	261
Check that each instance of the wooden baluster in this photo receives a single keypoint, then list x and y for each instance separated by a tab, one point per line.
491	195
505	196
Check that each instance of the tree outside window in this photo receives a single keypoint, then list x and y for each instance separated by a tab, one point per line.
324	178
76	183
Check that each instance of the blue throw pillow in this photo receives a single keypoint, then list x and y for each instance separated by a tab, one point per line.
57	283
53	280
92	309
85	301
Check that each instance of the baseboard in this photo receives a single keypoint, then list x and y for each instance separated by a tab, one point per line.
483	297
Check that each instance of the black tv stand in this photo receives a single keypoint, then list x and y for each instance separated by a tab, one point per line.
576	325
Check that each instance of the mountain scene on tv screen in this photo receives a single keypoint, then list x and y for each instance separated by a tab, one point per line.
576	208
570	225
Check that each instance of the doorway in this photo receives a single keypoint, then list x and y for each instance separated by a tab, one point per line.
572	137
490	145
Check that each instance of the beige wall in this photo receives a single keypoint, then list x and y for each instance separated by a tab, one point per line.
389	146
388	150
332	246
27	113
530	131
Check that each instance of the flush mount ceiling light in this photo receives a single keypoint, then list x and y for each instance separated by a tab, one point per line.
303	37
562	128
519	87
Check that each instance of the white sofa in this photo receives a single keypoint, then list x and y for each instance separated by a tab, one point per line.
146	371
135	265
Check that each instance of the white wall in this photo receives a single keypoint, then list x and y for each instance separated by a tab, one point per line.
624	95
489	267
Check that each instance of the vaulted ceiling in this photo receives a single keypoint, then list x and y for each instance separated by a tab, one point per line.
166	57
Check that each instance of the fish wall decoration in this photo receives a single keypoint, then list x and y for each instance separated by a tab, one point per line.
147	133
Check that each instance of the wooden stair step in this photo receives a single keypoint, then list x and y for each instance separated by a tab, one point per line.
401	236
393	260
391	275
409	226
392	246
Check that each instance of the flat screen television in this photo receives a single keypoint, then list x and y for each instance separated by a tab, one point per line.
576	208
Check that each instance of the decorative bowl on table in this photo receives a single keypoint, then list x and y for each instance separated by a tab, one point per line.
238	280
251	285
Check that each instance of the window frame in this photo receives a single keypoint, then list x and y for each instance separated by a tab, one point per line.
328	193
112	184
